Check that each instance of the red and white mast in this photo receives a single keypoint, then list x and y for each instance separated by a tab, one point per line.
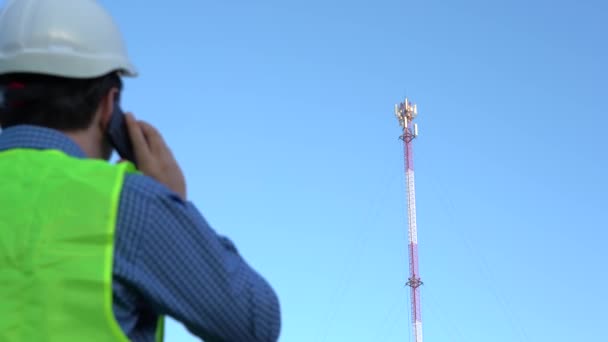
406	112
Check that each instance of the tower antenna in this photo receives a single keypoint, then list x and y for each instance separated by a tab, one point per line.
406	112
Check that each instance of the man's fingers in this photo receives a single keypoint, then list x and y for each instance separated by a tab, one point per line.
154	157
140	146
155	139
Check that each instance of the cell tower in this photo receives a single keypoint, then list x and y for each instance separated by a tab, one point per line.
406	112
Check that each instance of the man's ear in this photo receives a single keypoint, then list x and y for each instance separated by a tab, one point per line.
106	107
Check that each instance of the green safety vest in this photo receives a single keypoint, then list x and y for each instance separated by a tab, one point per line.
57	227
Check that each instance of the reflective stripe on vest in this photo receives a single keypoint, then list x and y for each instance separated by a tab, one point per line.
57	222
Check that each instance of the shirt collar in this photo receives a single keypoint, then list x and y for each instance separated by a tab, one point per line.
41	138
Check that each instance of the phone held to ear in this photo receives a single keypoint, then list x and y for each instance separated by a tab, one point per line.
118	134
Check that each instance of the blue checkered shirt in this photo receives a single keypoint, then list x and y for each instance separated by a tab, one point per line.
169	261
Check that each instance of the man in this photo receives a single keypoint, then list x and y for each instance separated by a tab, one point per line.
90	250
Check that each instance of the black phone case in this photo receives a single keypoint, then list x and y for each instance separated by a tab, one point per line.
118	134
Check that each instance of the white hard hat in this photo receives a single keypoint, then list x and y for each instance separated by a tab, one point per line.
67	38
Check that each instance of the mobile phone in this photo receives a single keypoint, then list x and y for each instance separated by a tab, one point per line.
118	134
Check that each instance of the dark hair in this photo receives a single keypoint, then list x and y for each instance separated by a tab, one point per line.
66	104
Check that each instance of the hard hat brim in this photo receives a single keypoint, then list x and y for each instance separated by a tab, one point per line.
72	66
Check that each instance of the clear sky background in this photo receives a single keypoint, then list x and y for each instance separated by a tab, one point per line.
281	114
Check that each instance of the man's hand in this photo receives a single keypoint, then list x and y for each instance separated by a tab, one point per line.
153	156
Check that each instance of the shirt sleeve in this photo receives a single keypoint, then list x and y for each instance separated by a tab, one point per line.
190	273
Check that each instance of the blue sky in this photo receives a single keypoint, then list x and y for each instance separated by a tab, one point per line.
281	114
